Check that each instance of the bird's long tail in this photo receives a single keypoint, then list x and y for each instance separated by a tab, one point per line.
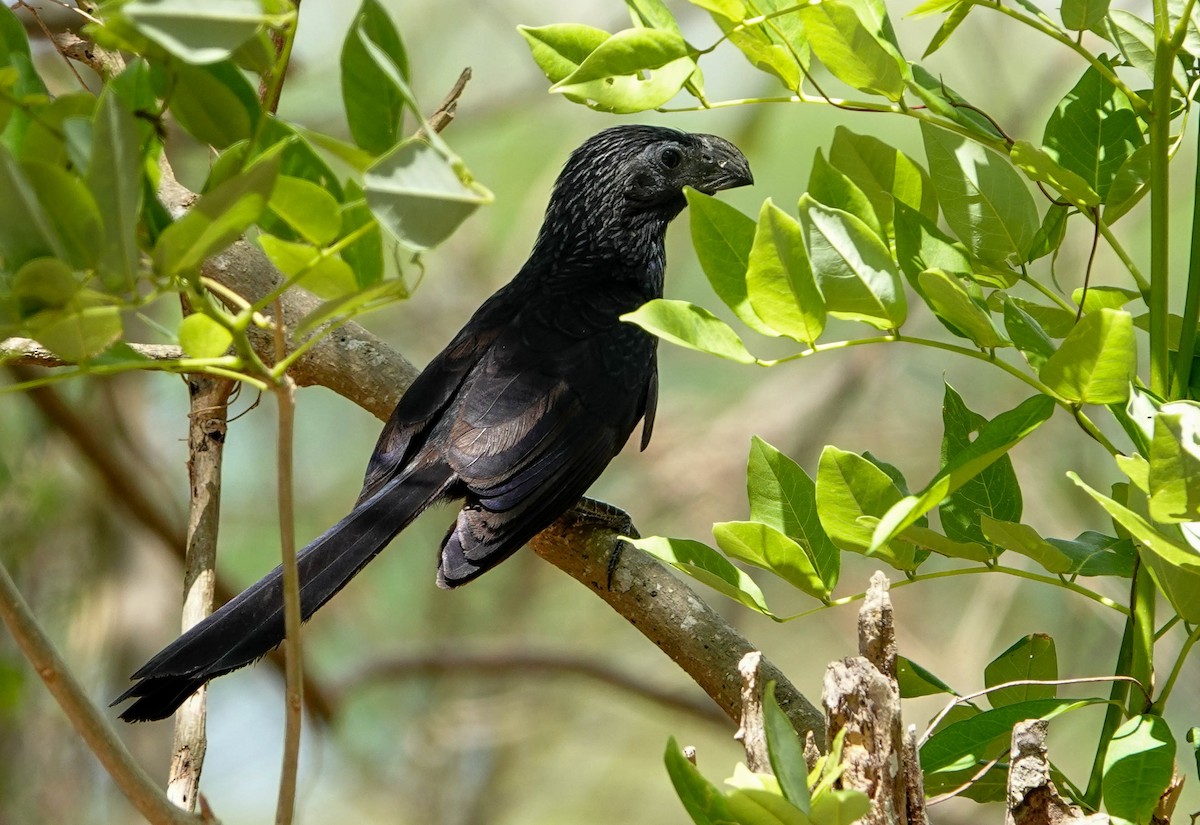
249	625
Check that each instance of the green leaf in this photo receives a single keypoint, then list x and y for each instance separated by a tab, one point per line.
327	277
1030	658
920	245
419	195
1129	185
1097	360
783	496
1175	463
1093	130
705	565
763	49
114	177
78	335
1138	767
15	56
306	208
197	32
1082	15
958	13
44	283
1174	566
848	488
763	546
834	188
632	71
779	279
760	807
1040	165
216	220
915	681
854	270
994	492
983	198
26	231
72	212
1094	554
374	103
690	326
703	801
962	744
1023	539
1100	297
839	806
851	52
216	104
559	49
887	176
365	255
996	438
950	302
202	337
786	752
723	238
1050	234
928	539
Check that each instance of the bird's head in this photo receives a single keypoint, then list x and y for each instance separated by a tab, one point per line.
631	178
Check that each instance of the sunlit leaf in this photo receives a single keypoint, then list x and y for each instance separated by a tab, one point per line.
886	175
782	495
723	238
848	488
984	199
950	302
851	52
690	326
634	70
763	546
854	270
1173	564
1175	463
779	279
705	565
1138	766
1096	361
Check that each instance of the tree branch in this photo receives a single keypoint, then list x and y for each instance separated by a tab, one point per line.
206	445
128	491
86	718
521	663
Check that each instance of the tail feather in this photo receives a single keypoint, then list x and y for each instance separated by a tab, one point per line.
251	624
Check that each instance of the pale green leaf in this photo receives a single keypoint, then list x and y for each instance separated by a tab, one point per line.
688	325
1096	362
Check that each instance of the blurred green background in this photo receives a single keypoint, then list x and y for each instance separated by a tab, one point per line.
530	748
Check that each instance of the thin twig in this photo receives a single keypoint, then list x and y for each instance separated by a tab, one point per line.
285	396
85	717
448	108
503	663
28	352
206	444
1083	680
129	491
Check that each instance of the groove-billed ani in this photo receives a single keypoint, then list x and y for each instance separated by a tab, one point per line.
518	415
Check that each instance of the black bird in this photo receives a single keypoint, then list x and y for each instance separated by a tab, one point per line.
518	415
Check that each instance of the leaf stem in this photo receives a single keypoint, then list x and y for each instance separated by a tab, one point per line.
1170	685
1182	374
971	571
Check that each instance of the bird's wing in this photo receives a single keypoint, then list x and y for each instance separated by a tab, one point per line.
536	424
433	390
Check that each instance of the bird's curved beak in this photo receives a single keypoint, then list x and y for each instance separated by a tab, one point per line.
723	166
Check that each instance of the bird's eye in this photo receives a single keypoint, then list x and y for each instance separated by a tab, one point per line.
671	157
